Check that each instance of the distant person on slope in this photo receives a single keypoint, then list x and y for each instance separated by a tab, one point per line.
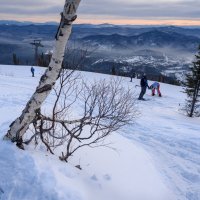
155	86
144	85
33	71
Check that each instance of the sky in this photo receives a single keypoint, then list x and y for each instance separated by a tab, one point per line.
144	12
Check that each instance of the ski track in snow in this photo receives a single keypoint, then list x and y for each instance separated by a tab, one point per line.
173	140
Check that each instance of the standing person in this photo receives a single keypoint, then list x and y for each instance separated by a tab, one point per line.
155	86
144	85
33	71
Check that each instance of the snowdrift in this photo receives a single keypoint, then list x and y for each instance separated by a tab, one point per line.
158	158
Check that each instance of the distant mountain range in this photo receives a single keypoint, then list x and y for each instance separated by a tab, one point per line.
151	39
24	23
157	49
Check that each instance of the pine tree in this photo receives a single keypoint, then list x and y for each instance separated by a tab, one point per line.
15	59
192	88
113	70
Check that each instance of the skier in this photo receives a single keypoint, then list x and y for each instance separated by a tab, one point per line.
155	86
144	85
32	71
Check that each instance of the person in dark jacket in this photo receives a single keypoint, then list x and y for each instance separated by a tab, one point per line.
32	71
144	85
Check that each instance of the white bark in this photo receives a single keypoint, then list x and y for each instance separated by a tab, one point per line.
47	81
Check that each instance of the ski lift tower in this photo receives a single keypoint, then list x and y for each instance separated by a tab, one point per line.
36	44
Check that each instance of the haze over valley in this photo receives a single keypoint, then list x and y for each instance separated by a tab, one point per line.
167	50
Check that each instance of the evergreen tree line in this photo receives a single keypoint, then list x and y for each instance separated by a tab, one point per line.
43	60
153	77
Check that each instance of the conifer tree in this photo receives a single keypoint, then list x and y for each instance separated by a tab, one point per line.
15	59
113	70
192	88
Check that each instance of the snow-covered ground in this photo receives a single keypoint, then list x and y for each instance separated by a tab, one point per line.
158	158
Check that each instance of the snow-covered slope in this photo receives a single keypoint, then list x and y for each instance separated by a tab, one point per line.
158	158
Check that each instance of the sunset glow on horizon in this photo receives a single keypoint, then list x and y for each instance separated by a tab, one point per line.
142	22
83	20
119	12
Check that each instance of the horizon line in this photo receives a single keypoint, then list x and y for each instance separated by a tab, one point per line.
119	22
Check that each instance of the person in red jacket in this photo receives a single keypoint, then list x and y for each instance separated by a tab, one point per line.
155	86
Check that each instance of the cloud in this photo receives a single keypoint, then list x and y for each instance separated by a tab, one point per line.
142	9
19	7
103	9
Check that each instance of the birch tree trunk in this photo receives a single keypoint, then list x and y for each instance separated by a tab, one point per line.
47	81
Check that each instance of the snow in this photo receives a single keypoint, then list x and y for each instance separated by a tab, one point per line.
157	158
134	59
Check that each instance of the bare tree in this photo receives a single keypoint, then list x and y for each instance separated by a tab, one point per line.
104	107
75	55
47	81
